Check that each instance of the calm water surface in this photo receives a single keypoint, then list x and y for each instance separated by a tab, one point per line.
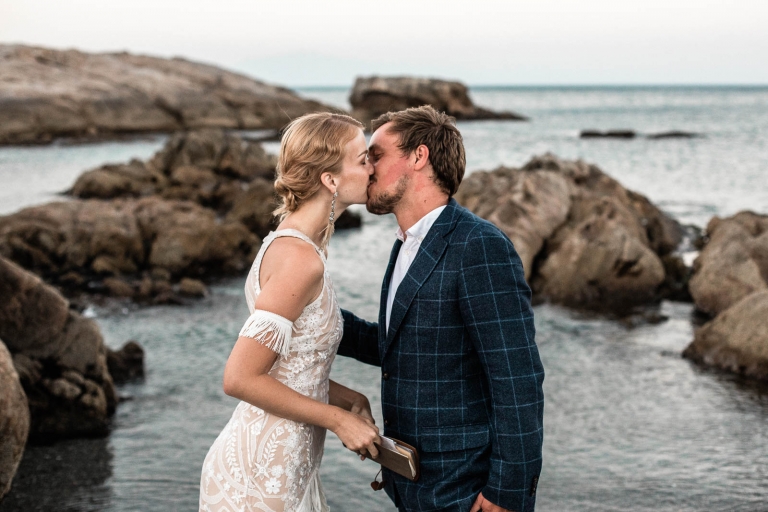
629	425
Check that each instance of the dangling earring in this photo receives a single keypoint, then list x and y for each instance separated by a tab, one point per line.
333	208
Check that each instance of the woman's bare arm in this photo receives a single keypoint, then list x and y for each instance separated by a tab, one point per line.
291	277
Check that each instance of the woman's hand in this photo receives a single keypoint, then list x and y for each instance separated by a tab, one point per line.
358	433
362	407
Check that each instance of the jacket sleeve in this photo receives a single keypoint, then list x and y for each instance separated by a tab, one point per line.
360	340
495	304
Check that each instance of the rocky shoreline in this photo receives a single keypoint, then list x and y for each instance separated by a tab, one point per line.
47	93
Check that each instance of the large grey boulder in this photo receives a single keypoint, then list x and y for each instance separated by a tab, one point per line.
47	93
585	241
375	95
59	355
733	264
14	420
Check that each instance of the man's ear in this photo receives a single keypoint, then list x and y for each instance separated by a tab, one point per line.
329	181
422	157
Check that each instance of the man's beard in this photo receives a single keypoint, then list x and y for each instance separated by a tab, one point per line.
386	202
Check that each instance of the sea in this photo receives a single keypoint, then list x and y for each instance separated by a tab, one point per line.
629	424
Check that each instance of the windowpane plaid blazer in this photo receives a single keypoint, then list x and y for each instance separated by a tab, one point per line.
461	374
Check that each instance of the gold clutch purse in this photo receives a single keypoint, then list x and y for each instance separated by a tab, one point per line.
399	457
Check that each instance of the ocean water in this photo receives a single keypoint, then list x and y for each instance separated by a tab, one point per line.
629	424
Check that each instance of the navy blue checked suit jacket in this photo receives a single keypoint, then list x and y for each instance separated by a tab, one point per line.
461	374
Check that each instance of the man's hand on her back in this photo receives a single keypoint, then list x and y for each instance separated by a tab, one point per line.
482	504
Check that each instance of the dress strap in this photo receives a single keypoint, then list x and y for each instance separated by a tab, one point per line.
295	233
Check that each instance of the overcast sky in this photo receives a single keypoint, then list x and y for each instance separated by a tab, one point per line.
517	42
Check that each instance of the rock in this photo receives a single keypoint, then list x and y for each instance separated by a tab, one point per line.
125	238
375	95
192	287
348	220
127	363
737	339
46	93
14	420
610	134
118	287
584	240
60	356
674	134
254	207
209	167
733	263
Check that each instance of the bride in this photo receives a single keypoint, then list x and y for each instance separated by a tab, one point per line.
268	456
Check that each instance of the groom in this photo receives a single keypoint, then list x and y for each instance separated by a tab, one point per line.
461	378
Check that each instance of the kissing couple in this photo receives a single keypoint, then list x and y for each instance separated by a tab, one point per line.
461	378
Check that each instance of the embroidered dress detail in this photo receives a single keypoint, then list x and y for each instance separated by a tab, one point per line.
271	330
261	461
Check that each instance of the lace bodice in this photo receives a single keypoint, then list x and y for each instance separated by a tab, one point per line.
261	461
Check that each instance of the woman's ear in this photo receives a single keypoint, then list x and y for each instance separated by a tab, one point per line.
329	181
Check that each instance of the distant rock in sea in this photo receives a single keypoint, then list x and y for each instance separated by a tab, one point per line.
674	134
375	95
730	283
610	134
631	134
46	93
585	241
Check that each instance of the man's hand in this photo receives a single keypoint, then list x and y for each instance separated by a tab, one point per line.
482	504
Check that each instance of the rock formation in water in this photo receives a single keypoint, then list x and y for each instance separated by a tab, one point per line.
210	167
46	93
736	340
14	420
125	247
584	240
375	95
730	283
60	358
610	134
732	264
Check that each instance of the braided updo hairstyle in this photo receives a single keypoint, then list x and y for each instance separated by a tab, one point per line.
311	145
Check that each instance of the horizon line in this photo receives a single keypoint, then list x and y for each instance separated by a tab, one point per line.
566	85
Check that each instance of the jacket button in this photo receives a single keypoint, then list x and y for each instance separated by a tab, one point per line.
386	422
385	376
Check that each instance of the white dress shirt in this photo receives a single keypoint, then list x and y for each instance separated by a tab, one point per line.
411	242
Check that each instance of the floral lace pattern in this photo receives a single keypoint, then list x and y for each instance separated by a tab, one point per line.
264	462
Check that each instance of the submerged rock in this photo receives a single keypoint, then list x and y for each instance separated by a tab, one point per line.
46	93
127	363
733	263
737	339
584	240
375	95
14	420
59	355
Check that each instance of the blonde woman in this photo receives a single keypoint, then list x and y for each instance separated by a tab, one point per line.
268	455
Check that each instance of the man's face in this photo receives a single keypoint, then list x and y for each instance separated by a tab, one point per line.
391	171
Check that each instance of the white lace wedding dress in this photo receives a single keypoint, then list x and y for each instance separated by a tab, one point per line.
261	461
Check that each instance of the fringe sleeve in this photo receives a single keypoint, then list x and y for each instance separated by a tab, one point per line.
271	330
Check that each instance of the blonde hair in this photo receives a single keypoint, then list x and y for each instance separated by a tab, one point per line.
311	145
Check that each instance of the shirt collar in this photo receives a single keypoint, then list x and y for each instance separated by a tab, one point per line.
422	227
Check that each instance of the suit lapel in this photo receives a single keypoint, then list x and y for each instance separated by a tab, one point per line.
431	250
385	293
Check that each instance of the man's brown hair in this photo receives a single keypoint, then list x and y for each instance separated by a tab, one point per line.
437	131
